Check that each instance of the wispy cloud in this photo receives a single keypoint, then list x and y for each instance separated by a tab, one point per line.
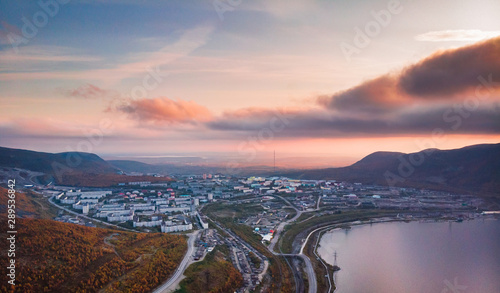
137	63
90	91
164	111
43	127
456	35
36	58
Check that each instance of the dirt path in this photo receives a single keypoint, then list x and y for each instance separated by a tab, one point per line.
106	241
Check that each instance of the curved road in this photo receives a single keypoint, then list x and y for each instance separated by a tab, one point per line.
165	287
283	224
313	285
311	276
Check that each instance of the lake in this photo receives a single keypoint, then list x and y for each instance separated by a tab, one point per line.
416	257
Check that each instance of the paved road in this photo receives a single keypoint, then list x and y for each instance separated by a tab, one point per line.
166	287
311	276
283	224
242	243
322	262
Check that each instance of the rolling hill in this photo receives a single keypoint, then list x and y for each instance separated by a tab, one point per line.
49	163
69	168
129	166
135	166
474	169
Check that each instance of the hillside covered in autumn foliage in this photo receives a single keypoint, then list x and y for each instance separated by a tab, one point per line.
60	257
212	275
25	206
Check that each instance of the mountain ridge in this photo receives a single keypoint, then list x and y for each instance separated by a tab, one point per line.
69	168
49	162
474	169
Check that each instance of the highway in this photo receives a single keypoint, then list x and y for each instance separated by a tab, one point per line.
311	276
166	287
281	226
309	270
322	262
244	244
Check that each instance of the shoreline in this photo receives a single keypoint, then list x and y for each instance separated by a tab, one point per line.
339	226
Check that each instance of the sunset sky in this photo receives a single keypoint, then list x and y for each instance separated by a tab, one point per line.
326	79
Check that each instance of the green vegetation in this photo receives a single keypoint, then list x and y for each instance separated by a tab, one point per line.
305	216
214	274
255	260
291	212
319	268
309	223
292	230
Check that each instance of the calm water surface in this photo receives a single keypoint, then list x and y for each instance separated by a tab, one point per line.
416	257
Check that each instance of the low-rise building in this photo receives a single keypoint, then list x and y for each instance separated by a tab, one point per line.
166	228
120	217
142	207
155	221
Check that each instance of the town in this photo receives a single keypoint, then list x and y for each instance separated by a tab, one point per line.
173	206
192	204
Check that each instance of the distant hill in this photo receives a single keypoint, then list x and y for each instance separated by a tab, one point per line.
129	166
474	169
69	168
48	162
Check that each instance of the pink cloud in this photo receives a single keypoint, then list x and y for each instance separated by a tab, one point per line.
163	110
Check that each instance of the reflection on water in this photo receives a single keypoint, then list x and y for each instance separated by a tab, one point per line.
416	257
